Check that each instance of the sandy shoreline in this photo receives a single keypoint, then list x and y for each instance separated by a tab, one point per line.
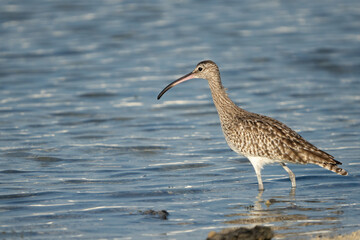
262	232
351	236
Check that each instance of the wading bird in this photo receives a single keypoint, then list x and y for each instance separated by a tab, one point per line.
261	139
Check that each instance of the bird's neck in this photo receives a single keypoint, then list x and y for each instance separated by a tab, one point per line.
224	105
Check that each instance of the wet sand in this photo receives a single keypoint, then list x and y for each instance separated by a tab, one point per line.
350	236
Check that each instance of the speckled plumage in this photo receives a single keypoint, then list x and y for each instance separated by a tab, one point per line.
263	140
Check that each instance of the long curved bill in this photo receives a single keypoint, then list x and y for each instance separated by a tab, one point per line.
176	82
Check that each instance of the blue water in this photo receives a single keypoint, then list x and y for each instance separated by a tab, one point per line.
86	148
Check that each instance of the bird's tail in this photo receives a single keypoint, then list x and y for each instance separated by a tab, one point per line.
334	168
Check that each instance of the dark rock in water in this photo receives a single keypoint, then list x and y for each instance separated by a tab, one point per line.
256	233
162	214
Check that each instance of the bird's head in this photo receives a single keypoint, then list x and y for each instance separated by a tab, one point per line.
206	69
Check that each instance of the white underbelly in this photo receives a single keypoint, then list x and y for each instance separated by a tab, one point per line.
260	162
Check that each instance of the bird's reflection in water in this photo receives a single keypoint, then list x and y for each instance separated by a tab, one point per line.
286	213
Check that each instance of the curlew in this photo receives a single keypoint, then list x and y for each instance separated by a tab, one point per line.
261	139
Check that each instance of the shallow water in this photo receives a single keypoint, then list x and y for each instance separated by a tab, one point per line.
86	148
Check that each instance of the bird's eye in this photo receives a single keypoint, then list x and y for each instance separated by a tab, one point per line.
200	69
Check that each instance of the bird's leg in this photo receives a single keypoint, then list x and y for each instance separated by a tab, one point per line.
292	193
291	175
257	165
258	175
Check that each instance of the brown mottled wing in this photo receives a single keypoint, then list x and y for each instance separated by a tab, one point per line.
267	137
